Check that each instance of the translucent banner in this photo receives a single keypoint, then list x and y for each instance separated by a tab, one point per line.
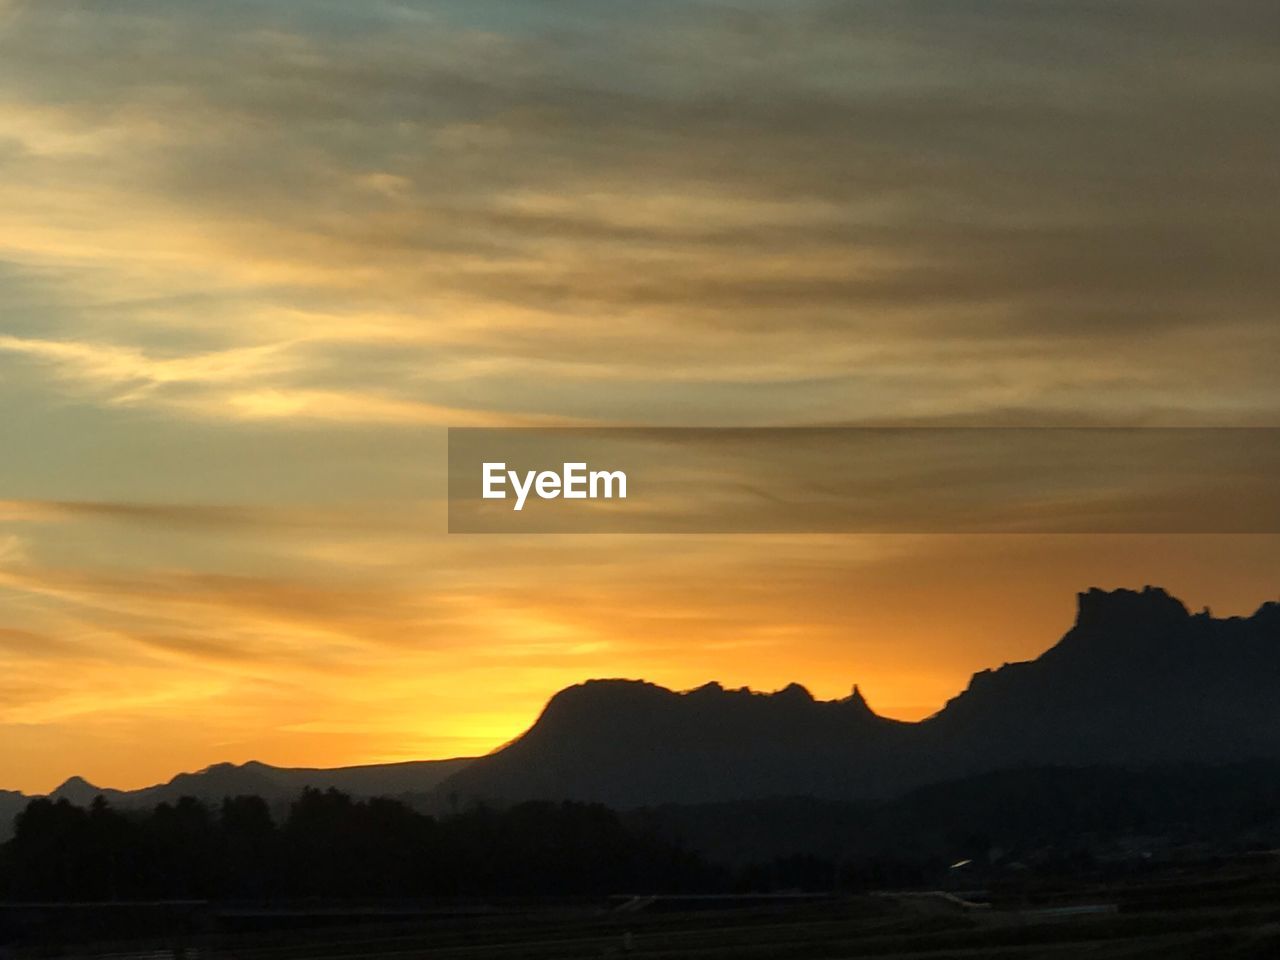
868	480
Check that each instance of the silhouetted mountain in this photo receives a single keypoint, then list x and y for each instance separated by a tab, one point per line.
1137	680
274	784
283	783
626	743
81	792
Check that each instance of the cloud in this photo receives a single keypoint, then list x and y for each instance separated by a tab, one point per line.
158	514
352	407
129	376
136	373
594	196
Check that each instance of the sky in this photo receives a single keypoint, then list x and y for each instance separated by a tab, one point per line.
255	257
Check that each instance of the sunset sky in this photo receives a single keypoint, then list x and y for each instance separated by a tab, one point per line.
255	256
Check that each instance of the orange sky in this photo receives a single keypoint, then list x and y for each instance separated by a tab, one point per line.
254	261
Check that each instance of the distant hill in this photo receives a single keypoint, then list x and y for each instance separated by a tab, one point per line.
275	784
1138	680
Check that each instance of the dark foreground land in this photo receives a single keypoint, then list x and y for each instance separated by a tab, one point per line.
1220	909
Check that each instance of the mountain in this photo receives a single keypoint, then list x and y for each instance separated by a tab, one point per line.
81	792
627	743
275	784
1137	680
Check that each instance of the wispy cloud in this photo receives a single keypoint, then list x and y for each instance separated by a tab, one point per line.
598	198
130	374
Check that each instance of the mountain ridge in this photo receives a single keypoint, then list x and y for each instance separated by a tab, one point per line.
275	784
1137	679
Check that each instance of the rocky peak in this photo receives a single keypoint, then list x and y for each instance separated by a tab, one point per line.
1148	608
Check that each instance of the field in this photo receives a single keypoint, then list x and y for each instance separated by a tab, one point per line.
1216	910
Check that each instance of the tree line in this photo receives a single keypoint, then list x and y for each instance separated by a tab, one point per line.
330	845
